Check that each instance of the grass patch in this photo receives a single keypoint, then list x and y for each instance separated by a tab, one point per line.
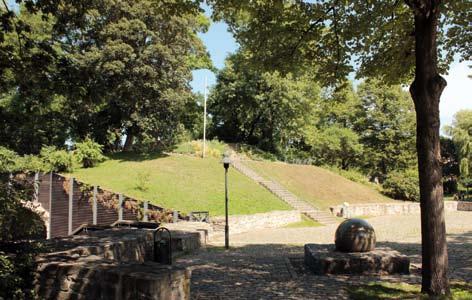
213	148
181	182
318	186
399	291
305	222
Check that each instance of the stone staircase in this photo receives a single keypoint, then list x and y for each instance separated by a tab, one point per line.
274	187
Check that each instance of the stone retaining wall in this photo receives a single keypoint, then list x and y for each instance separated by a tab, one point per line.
464	206
108	264
244	223
402	208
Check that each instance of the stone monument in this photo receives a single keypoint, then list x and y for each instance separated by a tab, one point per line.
355	235
354	252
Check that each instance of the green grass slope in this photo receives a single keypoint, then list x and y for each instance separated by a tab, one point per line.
316	185
181	182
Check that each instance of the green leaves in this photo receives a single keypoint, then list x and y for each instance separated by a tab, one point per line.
88	153
117	67
265	109
374	37
461	132
386	125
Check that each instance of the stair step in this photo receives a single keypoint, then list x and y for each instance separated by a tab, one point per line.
305	208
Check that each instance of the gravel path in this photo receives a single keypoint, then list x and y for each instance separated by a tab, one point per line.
267	264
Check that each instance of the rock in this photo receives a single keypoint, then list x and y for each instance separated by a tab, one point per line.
355	235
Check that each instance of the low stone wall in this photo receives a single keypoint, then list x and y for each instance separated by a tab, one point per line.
463	205
108	264
204	230
244	223
382	209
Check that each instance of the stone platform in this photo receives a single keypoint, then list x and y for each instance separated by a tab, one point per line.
110	264
323	259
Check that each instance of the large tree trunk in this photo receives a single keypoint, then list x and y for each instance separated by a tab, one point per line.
426	91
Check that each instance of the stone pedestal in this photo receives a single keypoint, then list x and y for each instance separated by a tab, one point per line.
113	264
323	259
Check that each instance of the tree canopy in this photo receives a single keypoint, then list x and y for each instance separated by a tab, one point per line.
337	37
104	69
461	133
264	109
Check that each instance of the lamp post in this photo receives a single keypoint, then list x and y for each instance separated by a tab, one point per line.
226	163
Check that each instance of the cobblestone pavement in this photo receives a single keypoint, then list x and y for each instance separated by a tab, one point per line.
268	264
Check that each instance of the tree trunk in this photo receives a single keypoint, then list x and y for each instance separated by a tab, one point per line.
128	146
426	91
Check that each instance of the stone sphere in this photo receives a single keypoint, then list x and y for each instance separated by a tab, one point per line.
355	235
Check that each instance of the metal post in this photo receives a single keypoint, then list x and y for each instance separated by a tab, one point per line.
145	211
94	205
48	228
204	118
36	187
120	207
71	199
226	210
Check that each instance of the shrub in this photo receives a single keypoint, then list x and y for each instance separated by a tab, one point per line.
351	174
255	153
9	161
17	221
17	270
214	148
88	153
143	179
56	160
403	185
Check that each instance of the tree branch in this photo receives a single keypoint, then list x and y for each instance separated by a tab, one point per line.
338	52
310	28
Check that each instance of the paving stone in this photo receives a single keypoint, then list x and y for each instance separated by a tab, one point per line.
257	268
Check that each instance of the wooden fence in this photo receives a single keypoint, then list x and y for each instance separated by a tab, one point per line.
70	204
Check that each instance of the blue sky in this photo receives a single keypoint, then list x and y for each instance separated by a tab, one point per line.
219	43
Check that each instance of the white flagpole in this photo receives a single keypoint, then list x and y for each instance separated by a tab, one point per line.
204	117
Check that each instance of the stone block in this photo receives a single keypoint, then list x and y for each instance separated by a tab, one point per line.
323	259
110	264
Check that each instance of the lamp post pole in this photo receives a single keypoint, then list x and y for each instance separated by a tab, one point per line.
226	210
226	163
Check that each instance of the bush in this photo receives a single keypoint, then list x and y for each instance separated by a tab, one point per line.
143	179
255	153
9	161
351	174
403	185
214	148
56	160
88	153
17	221
17	270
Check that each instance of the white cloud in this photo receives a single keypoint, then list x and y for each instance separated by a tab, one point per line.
458	93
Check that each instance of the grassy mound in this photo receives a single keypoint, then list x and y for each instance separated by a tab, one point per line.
319	186
182	182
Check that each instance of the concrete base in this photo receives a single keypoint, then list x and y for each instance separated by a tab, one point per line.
323	259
